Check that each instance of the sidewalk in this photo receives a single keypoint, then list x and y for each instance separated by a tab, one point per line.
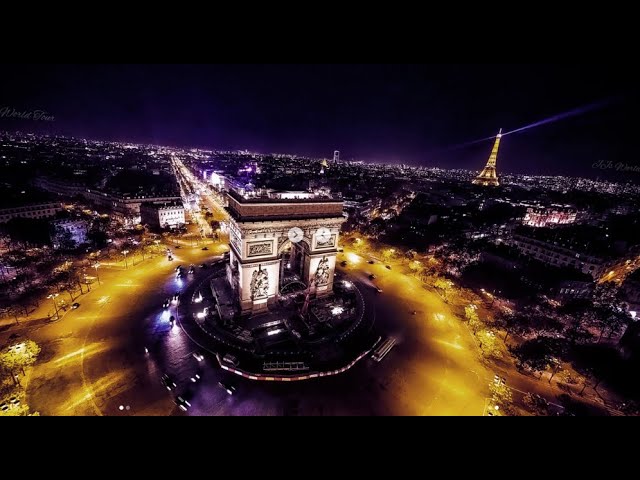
45	312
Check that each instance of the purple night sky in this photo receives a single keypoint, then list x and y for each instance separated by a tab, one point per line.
392	113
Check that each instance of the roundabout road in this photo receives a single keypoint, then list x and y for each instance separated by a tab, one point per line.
94	360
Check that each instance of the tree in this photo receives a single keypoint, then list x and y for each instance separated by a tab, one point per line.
63	239
514	324
376	227
471	315
15	311
611	321
595	373
501	396
489	344
417	268
555	366
387	254
538	354
444	286
98	238
19	356
536	404
411	255
606	294
577	334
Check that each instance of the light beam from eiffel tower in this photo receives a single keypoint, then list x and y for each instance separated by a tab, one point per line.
489	176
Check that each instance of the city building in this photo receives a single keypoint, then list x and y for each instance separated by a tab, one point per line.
59	186
68	233
218	181
31	211
489	176
126	207
264	228
336	157
160	215
574	289
550	216
551	253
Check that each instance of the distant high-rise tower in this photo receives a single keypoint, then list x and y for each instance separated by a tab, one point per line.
489	176
336	157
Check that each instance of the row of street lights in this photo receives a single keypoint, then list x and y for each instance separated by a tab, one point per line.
96	265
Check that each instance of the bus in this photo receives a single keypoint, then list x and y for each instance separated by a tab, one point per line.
383	349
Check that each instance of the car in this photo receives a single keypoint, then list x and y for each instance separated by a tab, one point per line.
178	247
178	268
372	277
230	389
388	267
371	262
203	265
179	275
182	403
205	249
165	305
75	306
14	401
198	356
168	382
344	264
192	270
4	407
170	258
379	290
196	378
231	360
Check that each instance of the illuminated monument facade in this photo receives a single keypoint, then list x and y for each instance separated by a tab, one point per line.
277	236
489	176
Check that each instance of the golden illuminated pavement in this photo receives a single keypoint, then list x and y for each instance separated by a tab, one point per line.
93	360
96	353
435	369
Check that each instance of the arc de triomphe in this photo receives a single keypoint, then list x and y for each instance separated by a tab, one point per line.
262	228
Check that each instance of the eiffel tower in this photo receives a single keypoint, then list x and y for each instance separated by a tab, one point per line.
489	176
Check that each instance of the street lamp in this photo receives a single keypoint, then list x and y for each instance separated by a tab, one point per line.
96	266
53	299
124	252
